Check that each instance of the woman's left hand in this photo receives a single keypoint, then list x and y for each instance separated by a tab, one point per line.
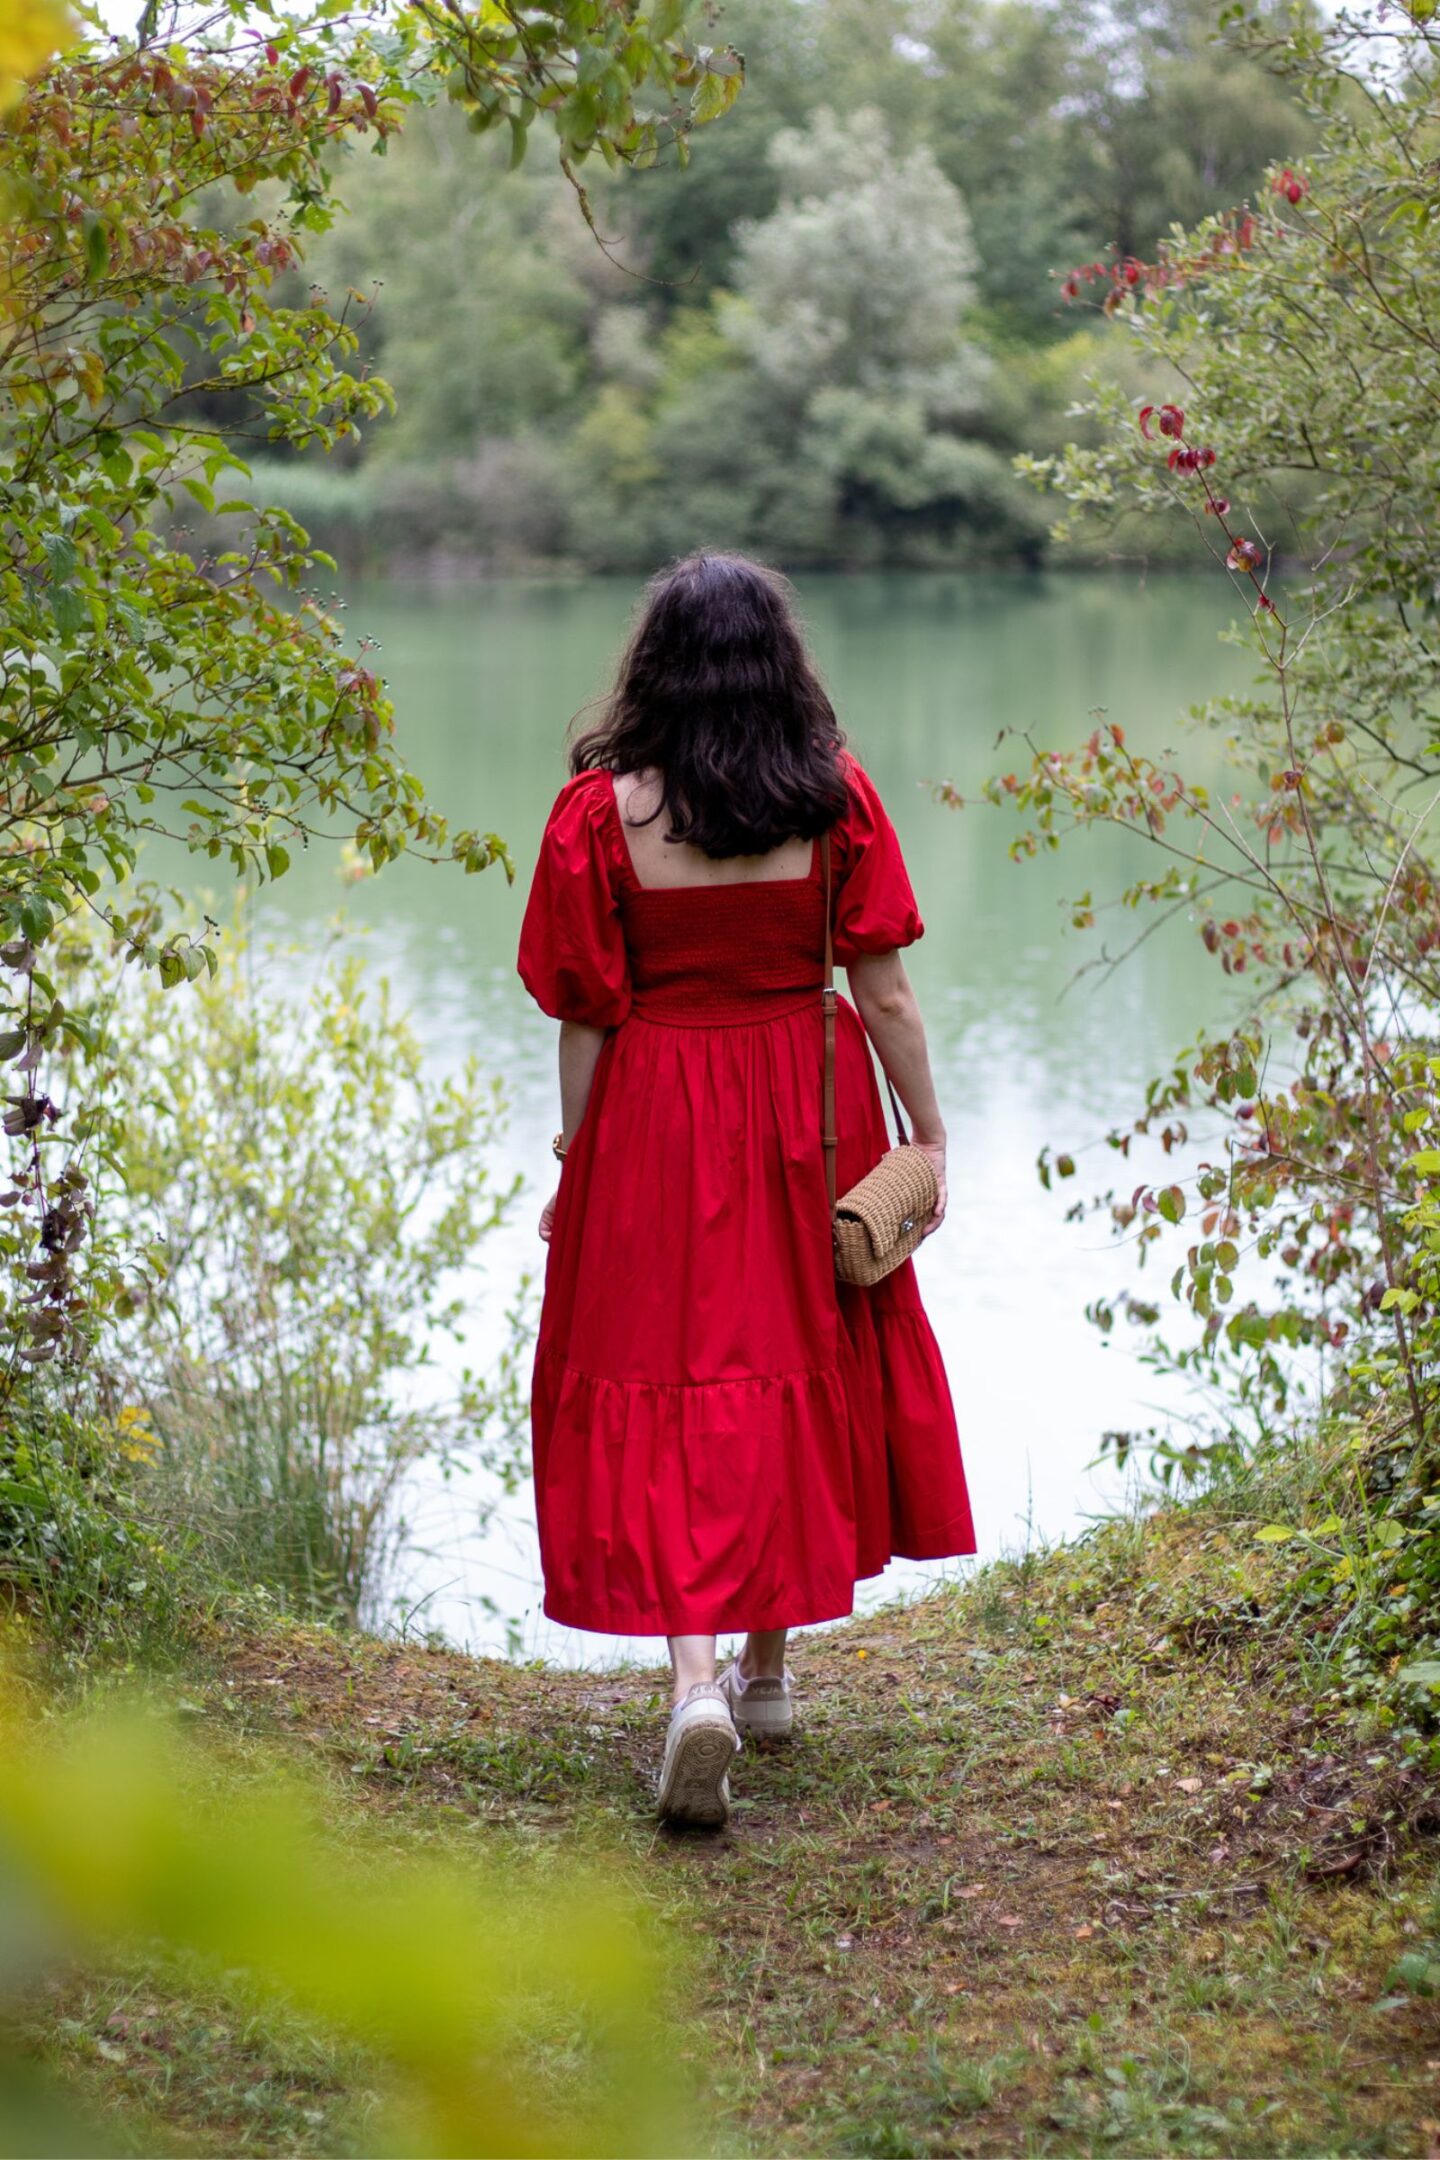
936	1152
547	1217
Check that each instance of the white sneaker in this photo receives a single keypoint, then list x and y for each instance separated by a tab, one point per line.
699	1743
764	1708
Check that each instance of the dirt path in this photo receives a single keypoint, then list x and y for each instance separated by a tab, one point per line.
1063	1863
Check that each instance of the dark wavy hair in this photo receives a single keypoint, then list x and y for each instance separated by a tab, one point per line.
717	694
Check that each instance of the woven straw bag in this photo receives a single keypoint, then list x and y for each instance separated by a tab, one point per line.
880	1221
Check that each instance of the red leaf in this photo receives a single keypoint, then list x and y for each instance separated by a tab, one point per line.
1145	412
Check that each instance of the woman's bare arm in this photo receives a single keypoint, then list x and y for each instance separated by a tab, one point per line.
887	1005
580	1048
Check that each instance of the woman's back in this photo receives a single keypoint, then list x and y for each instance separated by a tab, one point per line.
710	941
666	864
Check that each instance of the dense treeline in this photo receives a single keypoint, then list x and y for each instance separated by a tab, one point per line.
827	339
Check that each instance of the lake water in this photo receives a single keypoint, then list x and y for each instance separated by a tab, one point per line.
925	672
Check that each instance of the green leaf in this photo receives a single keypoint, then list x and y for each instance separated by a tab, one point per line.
1274	1534
1171	1203
14	1494
1424	1673
715	93
70	610
60	555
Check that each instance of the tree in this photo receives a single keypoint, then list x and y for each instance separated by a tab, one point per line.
860	277
830	408
681	226
1304	329
849	305
142	348
479	321
1071	131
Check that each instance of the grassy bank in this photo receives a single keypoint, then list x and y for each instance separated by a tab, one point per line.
1087	1856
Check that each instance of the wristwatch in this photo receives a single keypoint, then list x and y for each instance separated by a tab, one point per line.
557	1147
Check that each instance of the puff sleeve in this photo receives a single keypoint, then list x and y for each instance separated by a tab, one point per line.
875	908
572	955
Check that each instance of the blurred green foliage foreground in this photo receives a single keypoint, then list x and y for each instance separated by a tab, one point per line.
118	1827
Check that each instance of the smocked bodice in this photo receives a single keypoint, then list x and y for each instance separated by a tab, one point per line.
702	955
597	945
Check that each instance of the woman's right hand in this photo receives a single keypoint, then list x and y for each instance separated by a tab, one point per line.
935	1149
547	1217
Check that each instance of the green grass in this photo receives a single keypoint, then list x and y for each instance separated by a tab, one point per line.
1080	1858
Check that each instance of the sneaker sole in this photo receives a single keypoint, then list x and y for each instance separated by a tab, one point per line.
693	1788
761	1727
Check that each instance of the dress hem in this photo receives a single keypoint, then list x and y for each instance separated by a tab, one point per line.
633	1623
688	1624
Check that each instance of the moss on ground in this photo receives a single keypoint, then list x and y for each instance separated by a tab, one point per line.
1071	1860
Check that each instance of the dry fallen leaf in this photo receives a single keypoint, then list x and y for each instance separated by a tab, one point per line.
1010	1920
1083	1934
1190	1784
974	1889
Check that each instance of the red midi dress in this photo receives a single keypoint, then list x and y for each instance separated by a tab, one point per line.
724	1436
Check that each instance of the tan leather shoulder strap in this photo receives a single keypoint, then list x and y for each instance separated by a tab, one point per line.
827	1000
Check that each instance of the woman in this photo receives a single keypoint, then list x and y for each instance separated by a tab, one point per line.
725	1437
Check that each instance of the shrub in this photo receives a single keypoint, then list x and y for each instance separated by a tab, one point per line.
296	1205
